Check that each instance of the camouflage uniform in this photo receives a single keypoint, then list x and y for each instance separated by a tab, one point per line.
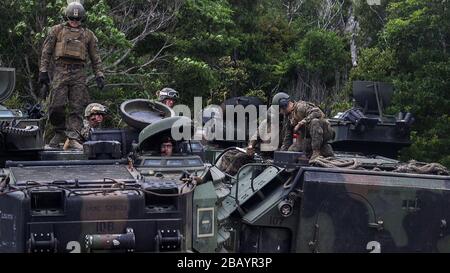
85	131
69	48
315	133
233	160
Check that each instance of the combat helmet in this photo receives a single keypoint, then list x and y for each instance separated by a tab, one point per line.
95	108
75	11
281	99
167	93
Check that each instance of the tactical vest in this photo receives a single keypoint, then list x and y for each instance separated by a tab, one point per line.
71	43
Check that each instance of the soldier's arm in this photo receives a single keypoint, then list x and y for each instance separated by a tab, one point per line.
287	135
96	61
48	48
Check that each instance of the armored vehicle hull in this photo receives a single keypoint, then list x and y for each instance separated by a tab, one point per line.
93	206
301	208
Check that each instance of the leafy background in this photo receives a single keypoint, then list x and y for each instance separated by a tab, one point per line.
216	49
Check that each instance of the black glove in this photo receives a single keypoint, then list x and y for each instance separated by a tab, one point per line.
100	82
44	78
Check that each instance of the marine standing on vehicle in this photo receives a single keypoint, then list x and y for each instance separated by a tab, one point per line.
68	45
308	120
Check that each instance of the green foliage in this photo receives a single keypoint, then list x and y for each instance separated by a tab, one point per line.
413	54
194	78
233	76
371	20
374	64
319	52
105	27
203	29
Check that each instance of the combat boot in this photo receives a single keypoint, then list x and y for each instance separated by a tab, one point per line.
315	155
58	138
72	144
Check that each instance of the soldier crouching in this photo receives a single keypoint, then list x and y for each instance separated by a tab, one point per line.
309	122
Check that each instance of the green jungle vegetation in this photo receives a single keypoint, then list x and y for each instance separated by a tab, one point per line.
217	49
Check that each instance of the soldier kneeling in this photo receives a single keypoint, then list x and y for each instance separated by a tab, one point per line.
309	121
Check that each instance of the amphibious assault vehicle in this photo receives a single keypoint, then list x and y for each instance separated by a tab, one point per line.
122	195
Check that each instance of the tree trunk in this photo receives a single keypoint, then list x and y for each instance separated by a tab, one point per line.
352	29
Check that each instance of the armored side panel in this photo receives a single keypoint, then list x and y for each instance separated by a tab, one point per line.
265	230
362	211
13	211
383	139
95	207
204	219
125	136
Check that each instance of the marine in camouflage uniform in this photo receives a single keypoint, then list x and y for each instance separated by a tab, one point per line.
94	115
69	45
308	120
168	96
233	160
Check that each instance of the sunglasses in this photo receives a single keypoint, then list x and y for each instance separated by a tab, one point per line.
75	19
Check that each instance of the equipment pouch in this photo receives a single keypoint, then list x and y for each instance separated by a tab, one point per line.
75	49
71	45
